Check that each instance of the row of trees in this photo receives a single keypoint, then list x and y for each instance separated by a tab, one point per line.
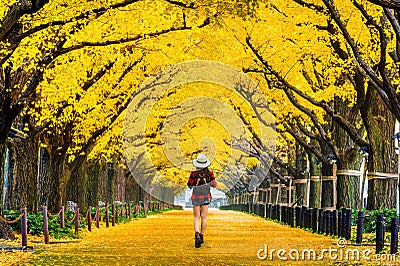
343	90
329	70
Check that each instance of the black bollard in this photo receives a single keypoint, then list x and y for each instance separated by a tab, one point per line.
328	222
314	220
339	228
394	235
271	211
323	222
284	214
348	224
309	218
320	220
291	216
360	225
264	210
331	222
306	218
287	214
343	223
335	222
298	215
303	216
380	233
278	212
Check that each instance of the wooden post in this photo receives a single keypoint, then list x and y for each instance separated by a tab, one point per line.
97	216
290	191
116	214
76	220
113	214
45	225
62	217
107	216
24	227
89	219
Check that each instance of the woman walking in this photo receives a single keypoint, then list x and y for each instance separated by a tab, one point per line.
201	180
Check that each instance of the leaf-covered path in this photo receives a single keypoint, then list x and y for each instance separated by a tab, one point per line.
232	238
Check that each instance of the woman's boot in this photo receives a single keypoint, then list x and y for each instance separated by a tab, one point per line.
197	241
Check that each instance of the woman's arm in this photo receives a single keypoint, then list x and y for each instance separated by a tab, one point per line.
212	182
192	180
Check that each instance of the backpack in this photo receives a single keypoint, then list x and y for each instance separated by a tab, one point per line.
201	190
202	177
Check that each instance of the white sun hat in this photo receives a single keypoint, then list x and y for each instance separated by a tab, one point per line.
201	161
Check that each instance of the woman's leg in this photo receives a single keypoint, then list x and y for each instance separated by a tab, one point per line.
203	215
196	214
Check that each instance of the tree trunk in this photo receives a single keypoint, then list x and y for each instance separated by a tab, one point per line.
301	165
9	179
3	152
24	173
327	194
380	123
313	172
347	186
59	174
110	182
348	191
327	187
93	184
43	183
75	190
120	184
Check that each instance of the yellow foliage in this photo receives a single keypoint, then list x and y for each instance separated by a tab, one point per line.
208	129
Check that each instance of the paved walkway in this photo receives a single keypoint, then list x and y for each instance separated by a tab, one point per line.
232	238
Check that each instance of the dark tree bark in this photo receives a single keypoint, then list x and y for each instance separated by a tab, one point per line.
59	174
93	184
301	165
380	123
24	174
75	190
43	183
3	152
347	187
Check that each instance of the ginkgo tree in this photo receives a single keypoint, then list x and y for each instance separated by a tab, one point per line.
326	74
77	64
46	43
